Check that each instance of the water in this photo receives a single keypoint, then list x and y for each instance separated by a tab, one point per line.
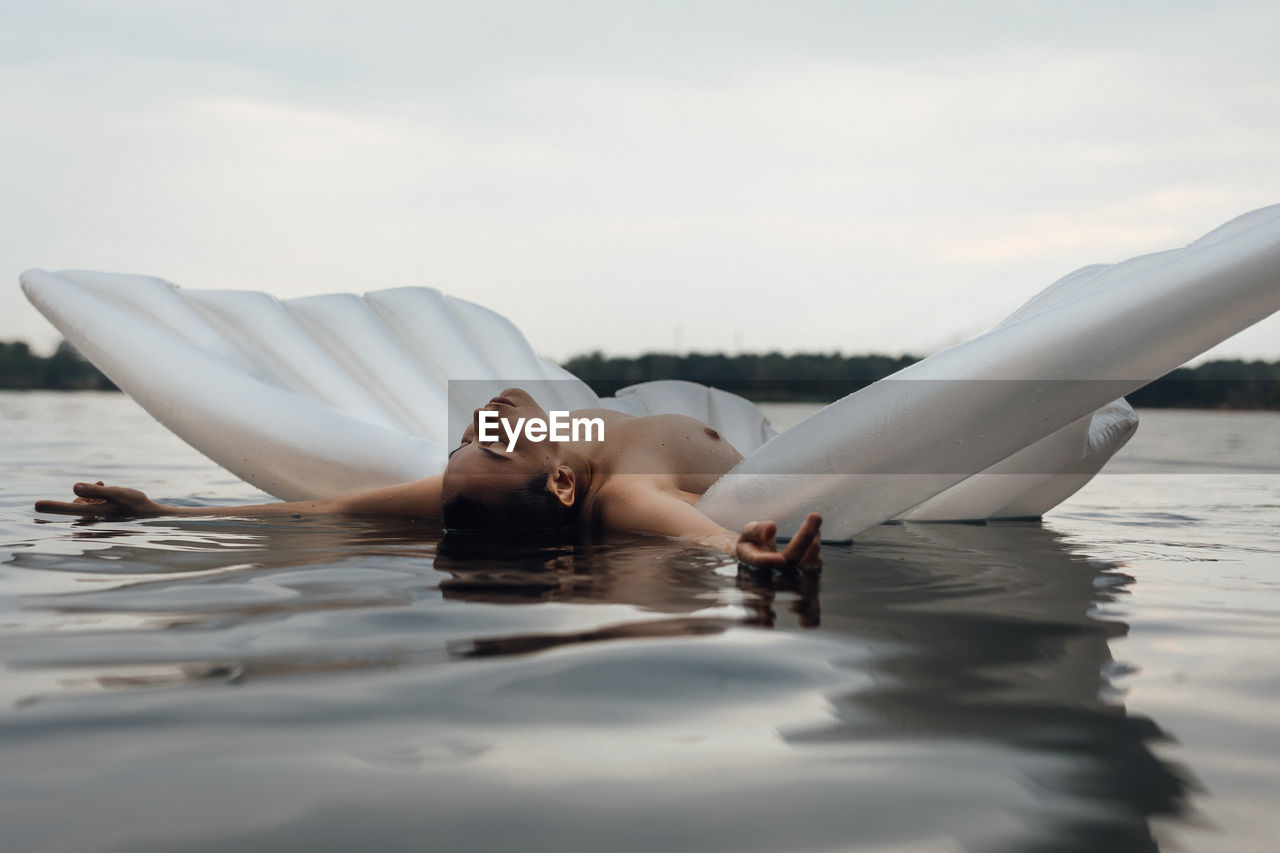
1106	680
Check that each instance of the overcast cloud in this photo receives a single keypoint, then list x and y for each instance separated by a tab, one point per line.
636	176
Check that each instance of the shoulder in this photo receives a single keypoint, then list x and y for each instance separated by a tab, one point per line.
620	491
648	504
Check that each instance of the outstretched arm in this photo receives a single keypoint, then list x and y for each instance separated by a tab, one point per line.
420	499
645	510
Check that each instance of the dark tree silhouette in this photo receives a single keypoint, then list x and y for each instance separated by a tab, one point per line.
802	377
65	370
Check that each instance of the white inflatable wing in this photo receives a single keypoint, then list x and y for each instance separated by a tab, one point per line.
267	415
301	398
1090	338
328	394
1039	477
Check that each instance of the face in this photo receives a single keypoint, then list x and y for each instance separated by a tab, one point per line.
488	471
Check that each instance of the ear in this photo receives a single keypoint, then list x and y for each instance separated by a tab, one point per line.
563	484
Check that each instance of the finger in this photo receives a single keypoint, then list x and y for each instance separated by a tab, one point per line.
812	556
771	535
760	532
805	536
96	491
760	558
72	508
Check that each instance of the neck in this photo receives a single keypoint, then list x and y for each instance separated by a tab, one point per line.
581	457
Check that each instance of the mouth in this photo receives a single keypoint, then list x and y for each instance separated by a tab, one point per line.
501	401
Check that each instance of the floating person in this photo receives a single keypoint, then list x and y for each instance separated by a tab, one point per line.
324	395
636	474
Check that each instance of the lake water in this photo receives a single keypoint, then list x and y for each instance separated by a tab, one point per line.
1108	679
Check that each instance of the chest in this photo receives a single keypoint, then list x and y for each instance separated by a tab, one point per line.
671	446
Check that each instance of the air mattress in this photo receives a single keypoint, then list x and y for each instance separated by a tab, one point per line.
328	394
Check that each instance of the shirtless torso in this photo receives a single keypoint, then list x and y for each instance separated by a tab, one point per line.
672	454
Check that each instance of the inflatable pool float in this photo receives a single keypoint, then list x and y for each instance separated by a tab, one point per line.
327	394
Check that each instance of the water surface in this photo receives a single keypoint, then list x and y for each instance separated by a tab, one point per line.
1104	680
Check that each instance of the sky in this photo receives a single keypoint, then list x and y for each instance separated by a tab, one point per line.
630	177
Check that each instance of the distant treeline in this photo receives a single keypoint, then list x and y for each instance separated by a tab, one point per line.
805	377
823	378
65	370
1214	385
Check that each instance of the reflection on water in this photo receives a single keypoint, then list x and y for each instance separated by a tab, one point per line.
1002	637
964	668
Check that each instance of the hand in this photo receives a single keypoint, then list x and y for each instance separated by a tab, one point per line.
757	547
95	499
